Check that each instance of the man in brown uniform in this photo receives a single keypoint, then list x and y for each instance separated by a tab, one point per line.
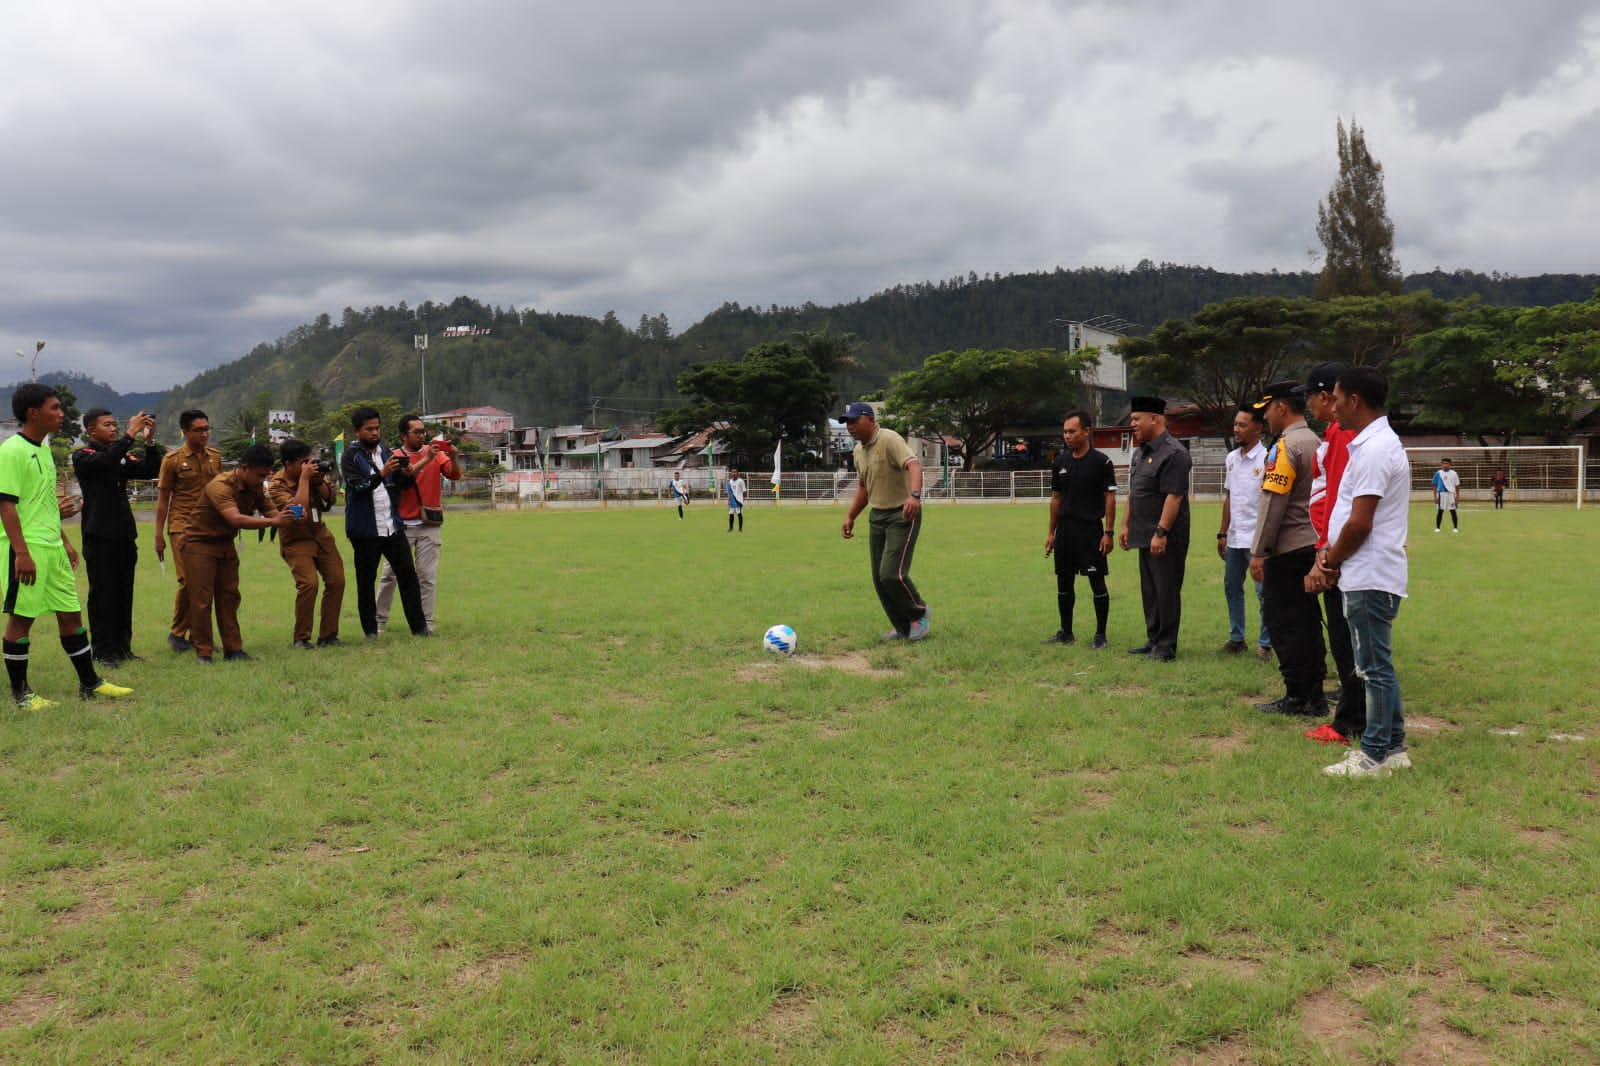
1284	549
184	475
228	504
306	545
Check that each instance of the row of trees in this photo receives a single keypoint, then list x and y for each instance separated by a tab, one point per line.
1459	365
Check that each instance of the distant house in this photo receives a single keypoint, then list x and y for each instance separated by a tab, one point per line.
9	427
633	453
475	420
564	444
691	450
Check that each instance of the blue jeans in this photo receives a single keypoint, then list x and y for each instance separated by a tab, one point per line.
1235	567
1370	615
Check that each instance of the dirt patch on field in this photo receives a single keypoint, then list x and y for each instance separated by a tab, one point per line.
1231	744
486	973
30	1008
791	1021
1429	724
1337	1023
851	662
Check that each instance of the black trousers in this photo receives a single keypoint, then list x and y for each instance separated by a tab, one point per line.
368	552
110	564
1350	716
1161	586
1295	622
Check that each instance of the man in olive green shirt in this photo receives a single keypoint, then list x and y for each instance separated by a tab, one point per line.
890	482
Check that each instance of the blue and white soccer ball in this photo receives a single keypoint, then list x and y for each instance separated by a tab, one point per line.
780	639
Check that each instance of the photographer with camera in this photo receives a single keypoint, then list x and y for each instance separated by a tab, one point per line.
305	489
103	467
421	511
374	478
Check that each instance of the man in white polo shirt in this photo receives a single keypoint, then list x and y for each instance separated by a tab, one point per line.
1241	493
1366	560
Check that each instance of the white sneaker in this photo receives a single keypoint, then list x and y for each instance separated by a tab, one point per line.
1454	530
1436	529
1397	760
1357	764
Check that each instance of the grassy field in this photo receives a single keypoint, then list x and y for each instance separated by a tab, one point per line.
597	823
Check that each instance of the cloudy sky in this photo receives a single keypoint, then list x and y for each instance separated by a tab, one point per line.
181	180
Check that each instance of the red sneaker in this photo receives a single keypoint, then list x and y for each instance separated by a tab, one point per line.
1326	734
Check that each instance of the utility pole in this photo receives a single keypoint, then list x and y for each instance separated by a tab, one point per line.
420	342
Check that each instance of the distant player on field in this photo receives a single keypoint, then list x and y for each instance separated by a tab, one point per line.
1446	495
735	488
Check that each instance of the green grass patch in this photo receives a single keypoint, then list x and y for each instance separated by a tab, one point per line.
597	823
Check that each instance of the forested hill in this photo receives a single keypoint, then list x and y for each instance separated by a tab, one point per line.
546	367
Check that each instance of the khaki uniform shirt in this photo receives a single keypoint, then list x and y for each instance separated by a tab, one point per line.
881	465
1283	519
186	473
224	491
281	491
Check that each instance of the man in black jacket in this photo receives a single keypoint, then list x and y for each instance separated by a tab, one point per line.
372	475
110	542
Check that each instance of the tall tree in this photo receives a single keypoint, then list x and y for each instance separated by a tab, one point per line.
975	394
1227	353
1354	226
773	393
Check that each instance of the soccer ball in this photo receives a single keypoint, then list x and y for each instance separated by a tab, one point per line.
780	639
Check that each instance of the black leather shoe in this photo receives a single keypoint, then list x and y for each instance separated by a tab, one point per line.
1098	642
329	642
178	643
1283	705
304	645
1059	638
1143	649
1163	655
240	656
107	663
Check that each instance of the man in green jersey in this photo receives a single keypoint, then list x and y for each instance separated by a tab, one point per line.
39	558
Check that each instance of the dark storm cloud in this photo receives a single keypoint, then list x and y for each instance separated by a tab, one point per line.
184	181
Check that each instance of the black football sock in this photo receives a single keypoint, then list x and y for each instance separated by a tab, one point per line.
1066	600
1102	603
16	652
76	645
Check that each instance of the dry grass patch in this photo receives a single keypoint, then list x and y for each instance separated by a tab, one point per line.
30	1008
486	973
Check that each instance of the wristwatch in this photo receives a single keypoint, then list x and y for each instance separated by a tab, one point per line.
916	495
1160	532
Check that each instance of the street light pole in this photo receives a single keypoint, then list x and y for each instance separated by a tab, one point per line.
37	348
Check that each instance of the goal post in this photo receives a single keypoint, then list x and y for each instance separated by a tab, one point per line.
1535	473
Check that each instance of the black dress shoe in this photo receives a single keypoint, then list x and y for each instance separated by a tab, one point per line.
129	657
304	645
178	643
240	656
1282	705
1098	642
1143	649
109	662
1059	638
1163	655
328	642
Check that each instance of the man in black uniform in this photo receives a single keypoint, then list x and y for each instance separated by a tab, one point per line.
1083	512
1157	523
110	539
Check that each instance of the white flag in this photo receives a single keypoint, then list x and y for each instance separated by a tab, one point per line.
777	465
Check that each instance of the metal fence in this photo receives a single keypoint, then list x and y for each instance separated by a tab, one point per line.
649	488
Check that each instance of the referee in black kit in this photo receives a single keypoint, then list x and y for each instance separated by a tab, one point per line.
1083	512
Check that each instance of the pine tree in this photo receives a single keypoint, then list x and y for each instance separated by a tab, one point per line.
1354	226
